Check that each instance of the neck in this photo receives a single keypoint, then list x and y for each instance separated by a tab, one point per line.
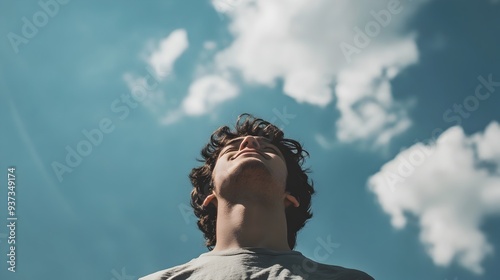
250	224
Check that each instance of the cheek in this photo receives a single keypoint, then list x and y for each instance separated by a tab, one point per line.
280	169
219	168
215	172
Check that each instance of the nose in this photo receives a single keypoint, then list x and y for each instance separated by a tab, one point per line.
250	142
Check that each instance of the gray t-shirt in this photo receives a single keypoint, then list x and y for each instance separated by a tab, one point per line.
256	263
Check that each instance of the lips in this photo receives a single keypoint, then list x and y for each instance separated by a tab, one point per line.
246	151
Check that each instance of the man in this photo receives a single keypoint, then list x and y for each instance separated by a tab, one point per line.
252	196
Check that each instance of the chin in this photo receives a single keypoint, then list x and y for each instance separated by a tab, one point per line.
252	173
251	167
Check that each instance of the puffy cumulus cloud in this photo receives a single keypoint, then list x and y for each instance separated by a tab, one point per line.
169	50
354	47
450	185
365	102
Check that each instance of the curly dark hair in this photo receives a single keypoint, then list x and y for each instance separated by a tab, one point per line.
297	182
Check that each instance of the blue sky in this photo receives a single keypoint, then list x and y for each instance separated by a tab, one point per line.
396	101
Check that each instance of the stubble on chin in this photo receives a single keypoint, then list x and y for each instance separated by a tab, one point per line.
248	174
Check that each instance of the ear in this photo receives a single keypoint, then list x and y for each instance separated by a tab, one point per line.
291	200
209	199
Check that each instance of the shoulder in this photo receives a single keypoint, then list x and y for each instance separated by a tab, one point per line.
327	271
153	276
307	268
183	271
300	265
354	274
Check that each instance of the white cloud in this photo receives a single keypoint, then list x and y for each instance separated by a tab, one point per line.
298	42
450	186
226	6
147	89
206	93
364	94
169	50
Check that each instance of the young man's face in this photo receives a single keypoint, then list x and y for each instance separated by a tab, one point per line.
250	161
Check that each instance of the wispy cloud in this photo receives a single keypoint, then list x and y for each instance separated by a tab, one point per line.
453	185
160	63
169	50
36	159
205	93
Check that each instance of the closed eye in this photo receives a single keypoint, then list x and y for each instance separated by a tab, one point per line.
228	150
271	149
274	151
